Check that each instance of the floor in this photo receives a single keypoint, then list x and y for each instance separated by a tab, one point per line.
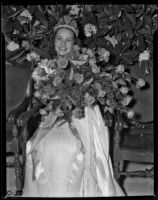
133	186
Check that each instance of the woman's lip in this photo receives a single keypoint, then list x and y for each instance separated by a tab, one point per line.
63	49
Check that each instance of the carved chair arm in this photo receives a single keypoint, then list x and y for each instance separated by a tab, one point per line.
141	125
20	109
108	119
24	117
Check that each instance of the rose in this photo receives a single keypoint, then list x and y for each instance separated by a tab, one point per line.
140	83
12	46
44	97
103	54
15	31
37	94
78	78
43	112
145	55
95	69
51	63
112	40
92	61
25	44
33	56
59	112
78	113
89	100
43	62
90	29
74	10
57	80
124	90
39	74
83	57
36	86
62	62
48	70
90	52
126	100
84	50
120	69
76	48
101	93
130	114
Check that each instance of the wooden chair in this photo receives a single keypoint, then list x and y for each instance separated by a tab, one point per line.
25	119
133	143
133	140
17	98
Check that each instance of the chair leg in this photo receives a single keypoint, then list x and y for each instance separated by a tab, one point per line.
17	163
117	170
18	173
117	155
24	138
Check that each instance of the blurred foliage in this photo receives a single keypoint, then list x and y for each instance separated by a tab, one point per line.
132	26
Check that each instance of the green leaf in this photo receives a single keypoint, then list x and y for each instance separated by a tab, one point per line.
21	59
141	42
101	42
132	18
87	41
17	55
17	12
114	83
126	59
145	66
121	81
18	26
127	77
45	22
32	9
147	20
42	53
130	33
115	76
134	53
127	8
126	47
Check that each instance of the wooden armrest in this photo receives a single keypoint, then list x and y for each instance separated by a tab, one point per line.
141	125
24	117
108	119
21	108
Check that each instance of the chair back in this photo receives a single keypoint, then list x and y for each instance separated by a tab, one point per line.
16	84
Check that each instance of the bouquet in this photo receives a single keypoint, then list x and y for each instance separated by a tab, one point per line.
66	85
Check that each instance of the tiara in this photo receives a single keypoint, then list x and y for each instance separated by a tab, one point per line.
67	22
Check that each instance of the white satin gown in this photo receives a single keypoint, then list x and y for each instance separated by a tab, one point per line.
63	165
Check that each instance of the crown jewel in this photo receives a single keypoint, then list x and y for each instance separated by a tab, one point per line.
67	22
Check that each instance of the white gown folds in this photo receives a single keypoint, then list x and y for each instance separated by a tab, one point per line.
63	164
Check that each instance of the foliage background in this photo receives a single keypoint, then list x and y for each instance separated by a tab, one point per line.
130	28
124	30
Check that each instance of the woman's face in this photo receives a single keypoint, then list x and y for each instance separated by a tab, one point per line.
64	41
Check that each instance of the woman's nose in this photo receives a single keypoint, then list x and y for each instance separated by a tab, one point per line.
63	43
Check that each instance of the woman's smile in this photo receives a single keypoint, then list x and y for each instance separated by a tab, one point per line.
64	41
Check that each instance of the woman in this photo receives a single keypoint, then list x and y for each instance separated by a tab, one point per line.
70	161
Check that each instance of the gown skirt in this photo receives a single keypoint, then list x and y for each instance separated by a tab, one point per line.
64	164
